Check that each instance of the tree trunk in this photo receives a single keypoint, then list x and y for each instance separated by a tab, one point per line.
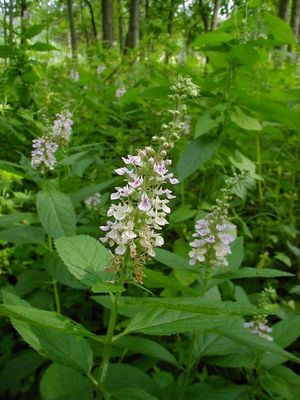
214	19
204	15
283	9
107	23
120	26
72	28
94	27
11	21
83	27
133	26
170	27
23	21
295	18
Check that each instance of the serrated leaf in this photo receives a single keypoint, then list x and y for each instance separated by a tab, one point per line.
85	258
165	322
47	319
194	305
56	213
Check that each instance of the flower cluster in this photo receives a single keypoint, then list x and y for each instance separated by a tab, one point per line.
100	69
43	153
62	127
120	92
92	202
74	75
136	221
45	147
259	325
214	233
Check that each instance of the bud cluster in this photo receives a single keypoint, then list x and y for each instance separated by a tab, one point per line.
136	221
259	324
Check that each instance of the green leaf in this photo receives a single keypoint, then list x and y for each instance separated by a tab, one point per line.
171	259
23	235
194	305
156	279
251	273
38	46
47	319
165	322
278	29
242	335
236	257
102	287
56	213
85	258
58	346
121	376
195	154
133	394
59	272
63	383
182	214
213	39
244	121
6	51
87	191
33	30
17	217
20	366
216	391
137	345
205	123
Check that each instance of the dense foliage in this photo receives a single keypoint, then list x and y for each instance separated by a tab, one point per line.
205	306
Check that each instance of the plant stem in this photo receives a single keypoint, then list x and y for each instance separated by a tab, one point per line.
108	345
56	297
55	288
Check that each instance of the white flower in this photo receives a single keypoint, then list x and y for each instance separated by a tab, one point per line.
62	127
43	153
74	75
120	92
100	69
145	204
92	202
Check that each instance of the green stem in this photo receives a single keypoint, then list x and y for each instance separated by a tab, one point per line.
108	345
56	297
55	287
190	365
259	168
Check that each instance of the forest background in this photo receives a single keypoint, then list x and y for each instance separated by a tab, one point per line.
180	333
